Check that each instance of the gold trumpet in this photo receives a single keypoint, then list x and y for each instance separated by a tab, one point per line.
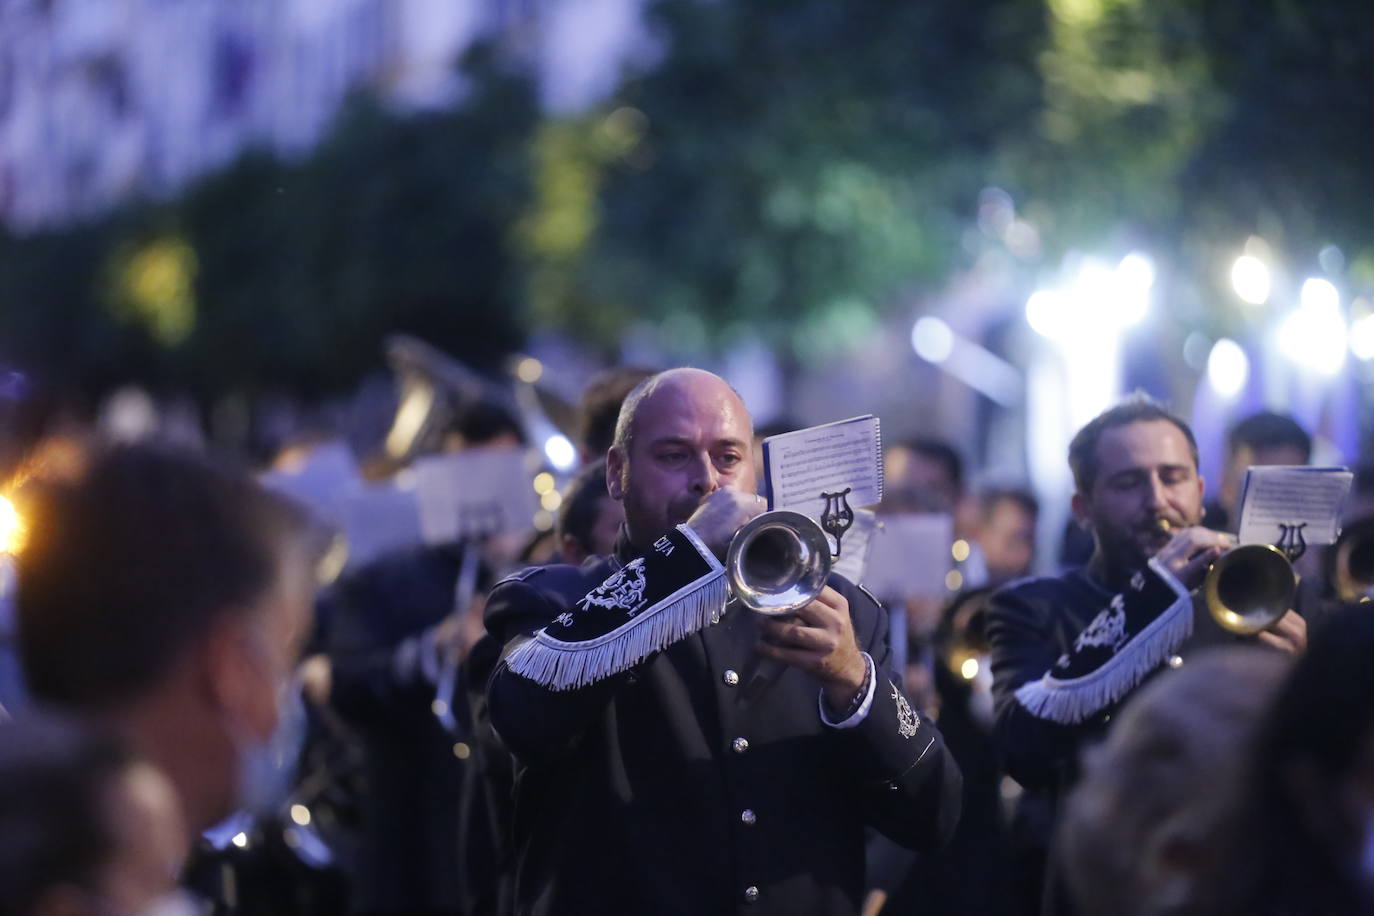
1248	588
1353	577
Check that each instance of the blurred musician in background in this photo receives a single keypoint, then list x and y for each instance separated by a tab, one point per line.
1259	439
86	828
168	597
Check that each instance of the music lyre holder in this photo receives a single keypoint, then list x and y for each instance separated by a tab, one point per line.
1291	541
837	517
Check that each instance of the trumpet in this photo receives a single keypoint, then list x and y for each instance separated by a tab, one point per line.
777	562
1248	588
1353	577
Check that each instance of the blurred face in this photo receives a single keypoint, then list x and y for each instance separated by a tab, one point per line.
913	482
281	624
1007	538
1145	473
691	437
1247	456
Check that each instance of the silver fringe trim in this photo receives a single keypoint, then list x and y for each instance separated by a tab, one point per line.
561	665
1073	701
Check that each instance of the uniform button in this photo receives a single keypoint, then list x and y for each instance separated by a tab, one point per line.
740	745
1175	661
731	677
748	818
751	894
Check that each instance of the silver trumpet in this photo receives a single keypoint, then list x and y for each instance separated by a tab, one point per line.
778	562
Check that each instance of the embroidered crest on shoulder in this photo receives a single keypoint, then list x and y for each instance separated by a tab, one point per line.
623	591
564	619
1108	628
907	719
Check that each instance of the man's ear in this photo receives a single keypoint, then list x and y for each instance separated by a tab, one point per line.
1082	510
615	466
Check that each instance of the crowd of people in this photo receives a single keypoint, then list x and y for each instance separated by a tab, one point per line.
581	721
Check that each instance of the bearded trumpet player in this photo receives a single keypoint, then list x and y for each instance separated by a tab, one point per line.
1067	651
643	783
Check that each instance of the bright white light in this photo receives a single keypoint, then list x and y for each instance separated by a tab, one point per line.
1228	368
1136	271
11	527
1250	279
1097	306
932	339
1319	294
1362	338
1314	335
240	840
1135	275
1046	311
560	452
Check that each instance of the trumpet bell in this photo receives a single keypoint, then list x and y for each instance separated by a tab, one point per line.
1249	588
778	562
1354	573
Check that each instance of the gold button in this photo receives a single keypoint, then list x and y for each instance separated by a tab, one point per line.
751	894
731	677
748	818
740	745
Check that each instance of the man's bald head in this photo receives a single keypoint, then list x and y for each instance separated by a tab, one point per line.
682	435
682	379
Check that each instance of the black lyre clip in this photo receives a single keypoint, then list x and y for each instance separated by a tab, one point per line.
1291	541
837	517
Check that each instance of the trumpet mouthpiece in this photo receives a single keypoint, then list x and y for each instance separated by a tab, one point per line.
1163	525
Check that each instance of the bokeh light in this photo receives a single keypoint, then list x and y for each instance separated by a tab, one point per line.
1228	368
1250	279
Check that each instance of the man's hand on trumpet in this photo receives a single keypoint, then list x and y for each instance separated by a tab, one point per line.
721	514
819	639
1190	551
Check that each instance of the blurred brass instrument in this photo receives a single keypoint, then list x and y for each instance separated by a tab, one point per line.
1353	576
1249	587
778	562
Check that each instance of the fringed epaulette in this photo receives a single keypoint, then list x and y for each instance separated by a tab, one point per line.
1137	630
675	589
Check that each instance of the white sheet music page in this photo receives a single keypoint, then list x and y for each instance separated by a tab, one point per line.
474	493
1296	495
799	466
856	547
910	556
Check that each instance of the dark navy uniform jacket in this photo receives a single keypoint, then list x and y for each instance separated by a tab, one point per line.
657	791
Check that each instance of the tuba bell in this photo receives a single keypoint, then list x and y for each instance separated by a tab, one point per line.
777	562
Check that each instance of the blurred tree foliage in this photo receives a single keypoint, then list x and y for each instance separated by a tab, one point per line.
286	275
785	169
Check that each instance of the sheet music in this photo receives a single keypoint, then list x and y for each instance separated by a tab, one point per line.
378	519
801	465
855	547
1276	495
474	493
910	556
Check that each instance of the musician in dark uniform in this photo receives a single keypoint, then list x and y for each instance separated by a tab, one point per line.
1067	651
649	779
